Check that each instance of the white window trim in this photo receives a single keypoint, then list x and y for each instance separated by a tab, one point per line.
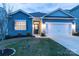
20	24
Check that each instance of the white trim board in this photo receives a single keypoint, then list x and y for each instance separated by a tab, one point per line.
58	18
59	22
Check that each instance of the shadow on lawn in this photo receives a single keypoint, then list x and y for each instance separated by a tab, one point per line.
10	37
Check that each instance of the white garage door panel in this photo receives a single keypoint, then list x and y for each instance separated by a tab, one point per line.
58	29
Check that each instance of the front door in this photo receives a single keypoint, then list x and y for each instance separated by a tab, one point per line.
36	27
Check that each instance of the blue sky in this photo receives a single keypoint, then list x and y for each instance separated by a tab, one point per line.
40	7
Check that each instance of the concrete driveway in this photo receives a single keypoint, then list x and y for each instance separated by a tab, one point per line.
68	41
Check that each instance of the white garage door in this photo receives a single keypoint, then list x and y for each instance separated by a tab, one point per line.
58	28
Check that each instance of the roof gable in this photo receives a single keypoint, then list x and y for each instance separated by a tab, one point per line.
58	13
20	11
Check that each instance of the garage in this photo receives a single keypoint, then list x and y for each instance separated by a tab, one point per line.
58	23
59	28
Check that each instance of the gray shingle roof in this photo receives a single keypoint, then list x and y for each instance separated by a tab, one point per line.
37	14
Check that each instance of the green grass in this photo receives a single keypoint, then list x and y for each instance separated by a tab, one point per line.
40	47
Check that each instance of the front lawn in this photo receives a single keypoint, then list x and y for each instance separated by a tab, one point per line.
40	47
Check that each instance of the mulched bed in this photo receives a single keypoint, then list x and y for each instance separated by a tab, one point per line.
6	52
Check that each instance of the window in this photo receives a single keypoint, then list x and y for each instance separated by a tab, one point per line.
20	24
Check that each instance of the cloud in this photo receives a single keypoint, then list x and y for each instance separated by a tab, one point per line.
46	7
41	7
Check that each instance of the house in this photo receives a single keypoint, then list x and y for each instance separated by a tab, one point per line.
58	22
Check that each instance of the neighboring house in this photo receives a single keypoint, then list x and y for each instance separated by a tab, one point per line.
75	12
58	22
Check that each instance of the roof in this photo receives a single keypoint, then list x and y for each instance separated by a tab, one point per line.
64	11
67	11
74	8
20	11
37	14
75	11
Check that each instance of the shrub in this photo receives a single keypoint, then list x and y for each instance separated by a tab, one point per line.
28	34
19	34
7	36
43	34
75	34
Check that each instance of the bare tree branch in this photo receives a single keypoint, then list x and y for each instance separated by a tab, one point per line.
7	7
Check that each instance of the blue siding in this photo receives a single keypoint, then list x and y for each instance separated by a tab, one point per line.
19	16
77	25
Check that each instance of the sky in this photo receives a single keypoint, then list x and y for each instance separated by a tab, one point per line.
40	7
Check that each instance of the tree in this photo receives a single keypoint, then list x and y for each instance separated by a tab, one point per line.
9	10
3	14
8	7
4	21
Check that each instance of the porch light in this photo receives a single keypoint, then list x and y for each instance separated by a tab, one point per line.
43	27
73	27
